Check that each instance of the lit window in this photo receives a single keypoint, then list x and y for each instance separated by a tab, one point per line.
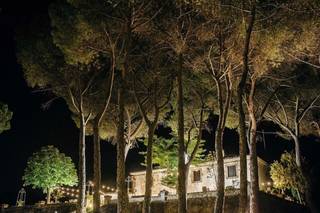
232	171
196	176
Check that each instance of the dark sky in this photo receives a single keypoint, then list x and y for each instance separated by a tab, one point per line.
33	127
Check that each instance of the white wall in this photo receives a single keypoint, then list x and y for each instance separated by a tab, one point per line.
208	177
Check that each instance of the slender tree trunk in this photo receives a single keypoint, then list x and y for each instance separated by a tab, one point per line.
242	118
223	110
122	205
187	171
182	195
96	166
48	195
297	151
242	154
223	113
123	199
149	178
82	163
219	202
96	137
254	186
220	170
126	151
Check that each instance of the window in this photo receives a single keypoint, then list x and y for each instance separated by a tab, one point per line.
130	181
232	171
196	176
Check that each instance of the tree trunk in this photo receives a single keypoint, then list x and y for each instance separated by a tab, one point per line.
187	171
126	150
242	154
82	164
254	186
96	166
297	151
220	170
182	195
149	178
122	205
96	137
242	118
223	112
48	195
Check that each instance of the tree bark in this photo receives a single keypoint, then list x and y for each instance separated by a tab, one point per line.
96	166
242	153
297	151
96	136
254	186
48	195
182	192
122	205
242	121
123	199
149	177
82	163
218	208
223	113
187	171
220	170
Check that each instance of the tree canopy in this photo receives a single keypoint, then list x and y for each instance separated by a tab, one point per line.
124	66
286	175
48	169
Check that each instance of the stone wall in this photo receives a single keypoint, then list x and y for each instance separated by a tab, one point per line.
269	204
52	208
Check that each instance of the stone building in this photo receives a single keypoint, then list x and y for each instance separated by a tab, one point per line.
201	178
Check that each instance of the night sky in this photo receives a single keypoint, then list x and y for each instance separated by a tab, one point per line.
34	127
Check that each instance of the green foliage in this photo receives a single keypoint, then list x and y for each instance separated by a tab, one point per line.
71	33
165	156
5	117
171	178
49	169
286	175
46	66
